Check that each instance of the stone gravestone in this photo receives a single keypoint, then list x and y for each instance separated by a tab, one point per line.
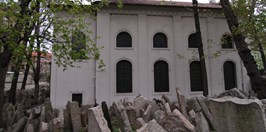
176	122
122	117
151	126
237	115
74	111
107	115
97	122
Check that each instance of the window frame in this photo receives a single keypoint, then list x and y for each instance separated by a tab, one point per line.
198	90
225	77
167	80
188	41
81	44
120	47
117	78
160	46
232	47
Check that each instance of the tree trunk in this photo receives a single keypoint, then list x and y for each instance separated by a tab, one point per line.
200	49
263	58
5	60
26	72
244	52
13	89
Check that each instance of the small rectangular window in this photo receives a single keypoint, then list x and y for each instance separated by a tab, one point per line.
77	97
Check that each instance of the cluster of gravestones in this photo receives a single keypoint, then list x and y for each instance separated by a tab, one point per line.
231	111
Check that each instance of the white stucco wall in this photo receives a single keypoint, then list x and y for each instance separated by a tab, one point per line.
78	79
142	23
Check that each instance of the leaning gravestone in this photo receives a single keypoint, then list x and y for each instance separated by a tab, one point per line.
107	115
122	117
151	126
97	122
74	111
237	115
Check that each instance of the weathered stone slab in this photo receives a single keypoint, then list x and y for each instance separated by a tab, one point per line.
122	117
30	128
235	92
139	123
140	103
20	125
201	123
152	126
237	115
176	122
159	116
148	114
183	106
67	120
97	122
206	112
44	127
74	111
166	99
193	104
167	108
56	125
107	115
131	113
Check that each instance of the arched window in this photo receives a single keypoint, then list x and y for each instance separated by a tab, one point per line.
159	40
227	41
196	82
192	41
123	39
78	41
161	76
123	77
229	75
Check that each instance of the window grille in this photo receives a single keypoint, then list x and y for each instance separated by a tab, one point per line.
196	81
161	77
159	40
192	41
124	77
123	39
229	75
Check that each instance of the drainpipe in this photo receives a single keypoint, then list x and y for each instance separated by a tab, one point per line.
95	65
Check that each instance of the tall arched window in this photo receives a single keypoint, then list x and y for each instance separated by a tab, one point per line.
192	41
159	40
196	81
229	75
78	41
161	76
227	41
123	39
123	77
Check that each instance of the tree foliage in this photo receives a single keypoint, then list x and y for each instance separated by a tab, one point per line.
252	16
40	26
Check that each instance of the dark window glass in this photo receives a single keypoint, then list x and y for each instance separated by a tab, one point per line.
159	40
161	77
229	75
77	97
227	41
78	41
192	41
123	39
196	81
124	77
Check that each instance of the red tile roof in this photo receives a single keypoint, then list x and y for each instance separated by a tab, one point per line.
166	3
